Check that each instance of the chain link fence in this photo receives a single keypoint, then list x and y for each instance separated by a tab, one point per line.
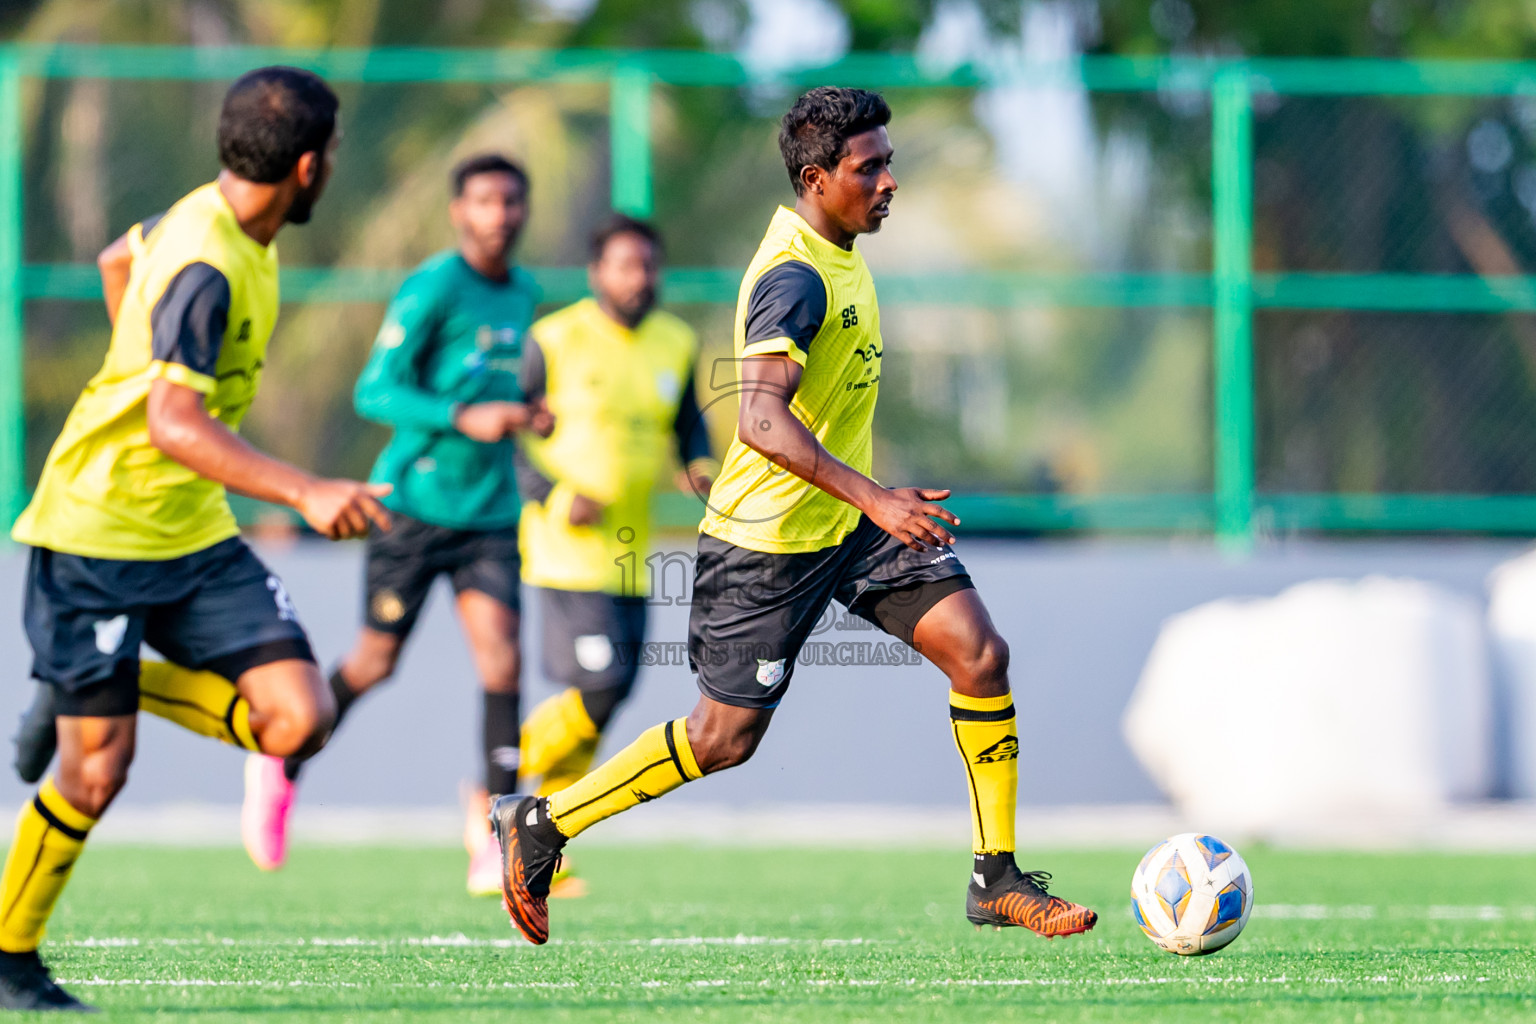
1047	281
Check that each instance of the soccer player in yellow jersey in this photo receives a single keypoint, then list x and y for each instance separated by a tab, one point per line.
617	375
794	522
132	538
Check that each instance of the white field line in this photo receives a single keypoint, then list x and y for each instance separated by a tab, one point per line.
816	984
1434	912
461	940
1272	911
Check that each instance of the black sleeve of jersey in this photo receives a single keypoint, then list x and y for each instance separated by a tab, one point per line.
531	377
531	484
148	223
188	322
692	434
789	301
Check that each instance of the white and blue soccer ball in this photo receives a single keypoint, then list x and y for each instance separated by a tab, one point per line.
1192	894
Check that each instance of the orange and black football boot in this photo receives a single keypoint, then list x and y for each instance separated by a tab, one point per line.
528	864
1018	900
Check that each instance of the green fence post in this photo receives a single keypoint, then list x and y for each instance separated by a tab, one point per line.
629	128
12	335
1232	198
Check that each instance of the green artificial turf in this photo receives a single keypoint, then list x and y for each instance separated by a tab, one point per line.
682	934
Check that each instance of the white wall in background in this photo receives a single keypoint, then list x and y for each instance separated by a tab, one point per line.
1512	625
1335	698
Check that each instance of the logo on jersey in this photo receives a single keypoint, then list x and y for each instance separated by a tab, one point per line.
245	331
110	634
769	673
1005	749
869	352
668	386
391	335
850	317
285	609
488	337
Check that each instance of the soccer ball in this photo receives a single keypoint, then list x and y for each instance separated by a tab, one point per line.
1191	894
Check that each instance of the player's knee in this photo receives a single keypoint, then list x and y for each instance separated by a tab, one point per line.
365	670
724	747
988	665
98	780
300	727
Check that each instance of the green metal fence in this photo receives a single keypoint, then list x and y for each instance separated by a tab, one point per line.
1234	507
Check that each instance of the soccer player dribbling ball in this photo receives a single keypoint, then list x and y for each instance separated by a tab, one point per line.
444	375
132	537
794	522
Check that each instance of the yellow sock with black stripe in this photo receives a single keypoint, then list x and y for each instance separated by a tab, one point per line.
987	737
559	742
204	702
656	763
49	837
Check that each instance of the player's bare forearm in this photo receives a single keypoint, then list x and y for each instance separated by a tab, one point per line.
180	426
768	426
115	263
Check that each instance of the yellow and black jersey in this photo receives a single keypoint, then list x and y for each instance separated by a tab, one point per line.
814	302
199	309
620	398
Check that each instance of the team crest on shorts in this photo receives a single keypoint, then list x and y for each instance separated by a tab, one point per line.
594	652
110	634
387	607
769	672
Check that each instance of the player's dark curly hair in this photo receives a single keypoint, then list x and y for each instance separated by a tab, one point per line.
486	163
816	130
619	224
271	117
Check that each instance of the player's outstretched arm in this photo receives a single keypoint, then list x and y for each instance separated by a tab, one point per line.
179	425
767	426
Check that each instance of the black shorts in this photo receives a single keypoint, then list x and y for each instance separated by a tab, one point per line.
218	609
403	564
753	611
591	639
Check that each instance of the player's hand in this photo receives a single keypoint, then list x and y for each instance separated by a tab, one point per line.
540	420
907	513
342	509
692	481
585	511
489	422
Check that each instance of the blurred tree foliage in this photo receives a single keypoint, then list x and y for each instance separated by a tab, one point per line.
998	399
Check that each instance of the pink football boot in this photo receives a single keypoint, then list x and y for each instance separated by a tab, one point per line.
264	817
485	868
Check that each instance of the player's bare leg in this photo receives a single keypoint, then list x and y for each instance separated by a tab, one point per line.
957	635
492	630
292	714
532	831
94	755
271	778
371	661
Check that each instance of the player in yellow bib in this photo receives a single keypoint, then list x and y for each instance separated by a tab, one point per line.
794	523
616	374
132	538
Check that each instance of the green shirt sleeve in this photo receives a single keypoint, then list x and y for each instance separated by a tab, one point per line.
389	391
